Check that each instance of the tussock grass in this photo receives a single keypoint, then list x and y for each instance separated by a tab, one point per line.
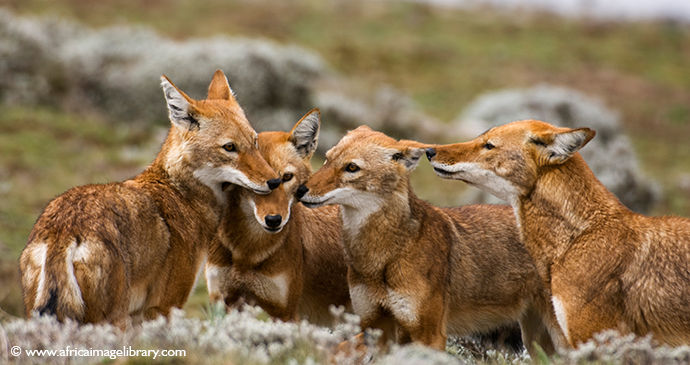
248	337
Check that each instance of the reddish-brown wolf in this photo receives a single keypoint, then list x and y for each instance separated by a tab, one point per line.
607	267
107	252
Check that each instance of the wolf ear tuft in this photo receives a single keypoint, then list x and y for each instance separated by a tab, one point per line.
179	105
556	148
305	134
409	157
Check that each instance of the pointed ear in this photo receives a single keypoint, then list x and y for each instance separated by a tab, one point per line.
556	148
179	105
305	134
409	157
219	88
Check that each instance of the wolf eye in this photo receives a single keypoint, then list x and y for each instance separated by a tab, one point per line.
230	147
489	146
287	177
352	167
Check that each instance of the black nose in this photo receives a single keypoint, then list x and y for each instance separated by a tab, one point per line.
430	153
273	221
301	191
274	183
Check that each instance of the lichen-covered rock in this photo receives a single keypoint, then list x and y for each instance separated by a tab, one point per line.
610	154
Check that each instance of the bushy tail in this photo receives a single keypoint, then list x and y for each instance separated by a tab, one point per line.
58	291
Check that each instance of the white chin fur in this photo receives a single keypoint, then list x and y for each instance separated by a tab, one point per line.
344	196
315	201
479	177
214	177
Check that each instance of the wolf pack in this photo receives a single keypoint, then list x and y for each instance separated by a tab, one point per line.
565	259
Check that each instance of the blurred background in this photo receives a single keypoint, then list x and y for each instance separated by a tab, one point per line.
80	100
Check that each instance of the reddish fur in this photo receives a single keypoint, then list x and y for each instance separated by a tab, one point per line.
139	243
611	268
459	270
307	251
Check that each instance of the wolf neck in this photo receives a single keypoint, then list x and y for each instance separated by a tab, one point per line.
374	235
245	237
172	163
565	202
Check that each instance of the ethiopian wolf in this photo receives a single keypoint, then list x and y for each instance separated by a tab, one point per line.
103	253
607	267
273	252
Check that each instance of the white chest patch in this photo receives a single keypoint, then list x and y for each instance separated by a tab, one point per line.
357	206
282	287
273	289
361	301
561	316
137	299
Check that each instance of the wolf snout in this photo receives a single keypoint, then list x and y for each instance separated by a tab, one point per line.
274	183
430	153
273	221
301	191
